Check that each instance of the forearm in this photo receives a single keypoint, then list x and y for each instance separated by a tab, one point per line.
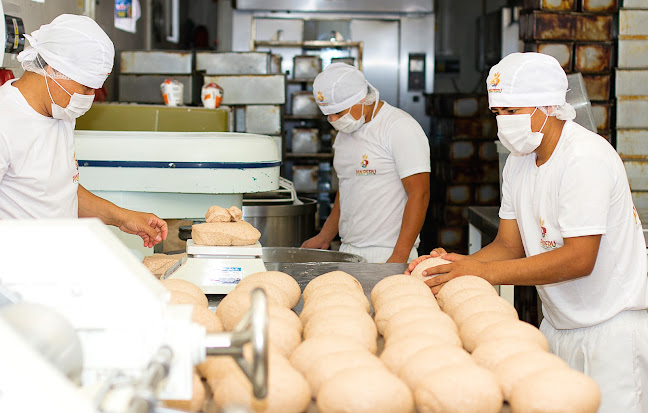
412	223
330	227
92	206
498	251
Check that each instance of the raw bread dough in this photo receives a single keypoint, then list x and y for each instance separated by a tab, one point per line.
401	291
195	404
224	233
418	366
451	304
424	265
187	287
178	297
311	350
415	303
482	304
459	389
158	264
288	390
462	283
365	390
402	319
333	277
556	391
217	214
234	306
339	312
343	301
514	330
340	298
235	213
282	334
206	318
217	367
512	370
442	334
331	290
362	330
389	282
285	282
474	325
397	353
328	366
270	289
489	354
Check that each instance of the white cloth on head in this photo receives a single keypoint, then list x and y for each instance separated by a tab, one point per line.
376	255
338	87
613	353
370	164
73	45
581	190
39	175
563	112
526	80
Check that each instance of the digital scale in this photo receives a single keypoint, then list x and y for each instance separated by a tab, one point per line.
217	270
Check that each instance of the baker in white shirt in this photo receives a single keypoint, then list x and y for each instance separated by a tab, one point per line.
39	176
382	160
568	225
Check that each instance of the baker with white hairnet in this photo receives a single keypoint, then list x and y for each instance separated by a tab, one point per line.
382	160
568	225
39	175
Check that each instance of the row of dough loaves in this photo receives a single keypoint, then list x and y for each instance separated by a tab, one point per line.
338	357
224	227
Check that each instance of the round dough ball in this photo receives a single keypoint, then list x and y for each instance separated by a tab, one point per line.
511	371
415	303
417	367
271	291
333	277
556	391
474	325
424	265
288	391
319	306
344	311
234	306
288	316
187	287
195	404
462	283
388	282
459	389
362	330
282	335
513	330
206	318
328	366
340	298
285	282
217	367
178	297
330	290
397	353
490	354
365	390
451	304
400	291
482	304
406	317
313	349
444	335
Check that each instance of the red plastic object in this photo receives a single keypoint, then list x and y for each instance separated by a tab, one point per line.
5	75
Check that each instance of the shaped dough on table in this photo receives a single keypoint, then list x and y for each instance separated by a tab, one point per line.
424	265
333	277
282	280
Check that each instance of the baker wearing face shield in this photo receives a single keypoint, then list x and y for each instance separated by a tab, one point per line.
382	160
568	225
39	175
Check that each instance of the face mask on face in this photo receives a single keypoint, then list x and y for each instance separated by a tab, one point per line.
514	131
79	105
348	123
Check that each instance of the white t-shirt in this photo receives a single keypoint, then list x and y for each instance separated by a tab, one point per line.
39	175
581	190
370	164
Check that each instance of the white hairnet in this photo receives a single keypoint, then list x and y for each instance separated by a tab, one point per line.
562	112
338	87
75	46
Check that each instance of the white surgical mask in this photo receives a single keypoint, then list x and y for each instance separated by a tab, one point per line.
348	123
79	104
514	131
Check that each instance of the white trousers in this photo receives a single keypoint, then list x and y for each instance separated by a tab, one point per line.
613	353
375	254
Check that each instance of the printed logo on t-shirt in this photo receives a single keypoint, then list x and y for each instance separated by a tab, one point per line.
637	221
364	164
75	178
546	244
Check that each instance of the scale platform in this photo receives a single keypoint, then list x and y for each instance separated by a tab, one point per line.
217	270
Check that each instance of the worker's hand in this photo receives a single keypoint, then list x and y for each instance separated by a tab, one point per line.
437	252
461	265
318	242
149	227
